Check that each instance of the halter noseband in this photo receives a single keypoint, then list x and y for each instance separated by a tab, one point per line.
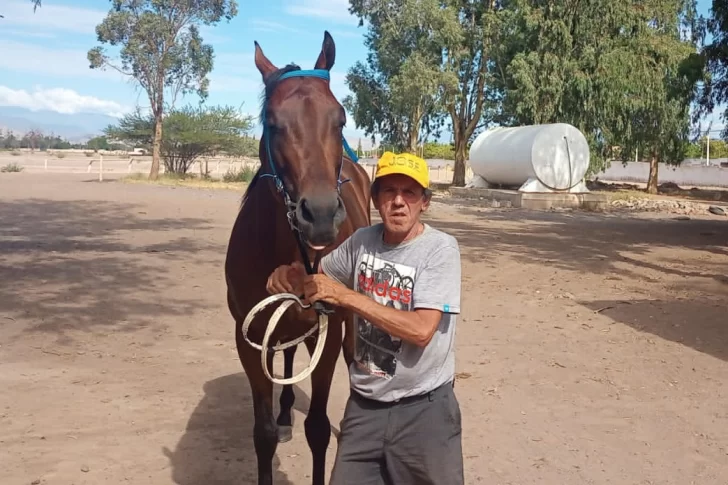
280	187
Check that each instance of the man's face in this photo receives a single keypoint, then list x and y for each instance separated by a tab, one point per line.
400	202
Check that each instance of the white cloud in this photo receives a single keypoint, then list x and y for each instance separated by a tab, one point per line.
19	13
234	73
21	57
59	100
233	84
268	26
331	10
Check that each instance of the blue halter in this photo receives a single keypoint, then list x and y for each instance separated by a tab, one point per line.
321	74
290	204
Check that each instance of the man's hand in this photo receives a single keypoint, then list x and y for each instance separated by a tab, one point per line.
287	279
320	287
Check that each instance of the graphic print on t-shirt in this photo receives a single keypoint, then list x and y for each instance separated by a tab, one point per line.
390	284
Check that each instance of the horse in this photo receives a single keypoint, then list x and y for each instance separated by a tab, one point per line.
315	197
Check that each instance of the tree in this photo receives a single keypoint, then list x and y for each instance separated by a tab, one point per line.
443	69
98	143
470	96
161	48
655	70
188	134
716	59
623	73
397	92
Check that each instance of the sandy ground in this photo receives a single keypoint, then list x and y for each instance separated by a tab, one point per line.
592	348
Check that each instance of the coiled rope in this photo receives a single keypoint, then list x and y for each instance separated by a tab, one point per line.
288	300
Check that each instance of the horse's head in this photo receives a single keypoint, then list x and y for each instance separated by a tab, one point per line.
302	142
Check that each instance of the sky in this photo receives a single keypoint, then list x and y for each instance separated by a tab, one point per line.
43	62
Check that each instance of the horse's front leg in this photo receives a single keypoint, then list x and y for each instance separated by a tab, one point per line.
285	419
265	430
317	424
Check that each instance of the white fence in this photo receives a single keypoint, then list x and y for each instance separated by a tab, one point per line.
106	165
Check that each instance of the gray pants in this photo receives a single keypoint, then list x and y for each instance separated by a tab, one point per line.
416	441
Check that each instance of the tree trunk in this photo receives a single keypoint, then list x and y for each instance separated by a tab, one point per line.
412	143
652	179
156	147
458	176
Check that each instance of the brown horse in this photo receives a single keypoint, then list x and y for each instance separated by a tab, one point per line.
297	207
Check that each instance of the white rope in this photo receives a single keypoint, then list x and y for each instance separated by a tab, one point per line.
288	300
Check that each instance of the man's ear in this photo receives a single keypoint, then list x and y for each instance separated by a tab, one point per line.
427	196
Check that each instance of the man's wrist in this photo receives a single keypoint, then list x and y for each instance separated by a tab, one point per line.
348	298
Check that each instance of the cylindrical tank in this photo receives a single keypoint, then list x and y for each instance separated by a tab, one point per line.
557	155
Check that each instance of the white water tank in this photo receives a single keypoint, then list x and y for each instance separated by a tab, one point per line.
535	158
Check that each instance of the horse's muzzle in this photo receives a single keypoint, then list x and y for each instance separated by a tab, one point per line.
319	217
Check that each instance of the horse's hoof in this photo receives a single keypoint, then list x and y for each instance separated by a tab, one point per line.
285	433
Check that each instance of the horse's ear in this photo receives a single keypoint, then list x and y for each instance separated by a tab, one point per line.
328	53
262	63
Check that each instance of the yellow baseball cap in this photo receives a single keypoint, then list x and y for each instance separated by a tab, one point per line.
405	164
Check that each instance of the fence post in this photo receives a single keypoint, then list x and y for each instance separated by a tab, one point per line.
101	168
45	164
128	168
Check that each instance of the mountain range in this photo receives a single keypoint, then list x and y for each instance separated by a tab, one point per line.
76	128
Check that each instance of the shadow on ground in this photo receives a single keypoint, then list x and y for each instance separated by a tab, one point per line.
217	446
586	242
84	265
673	320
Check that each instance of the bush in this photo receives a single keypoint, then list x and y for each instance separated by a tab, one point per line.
246	174
11	167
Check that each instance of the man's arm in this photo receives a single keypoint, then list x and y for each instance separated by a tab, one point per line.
437	290
416	327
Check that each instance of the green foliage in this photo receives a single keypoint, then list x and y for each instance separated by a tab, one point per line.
245	174
11	167
621	73
716	59
428	60
718	149
439	151
160	46
396	93
189	133
98	143
653	71
33	140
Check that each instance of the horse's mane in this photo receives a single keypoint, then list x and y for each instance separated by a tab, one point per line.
271	82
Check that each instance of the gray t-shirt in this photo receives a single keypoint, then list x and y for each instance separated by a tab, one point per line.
423	272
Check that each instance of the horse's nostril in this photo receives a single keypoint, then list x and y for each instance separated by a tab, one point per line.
306	213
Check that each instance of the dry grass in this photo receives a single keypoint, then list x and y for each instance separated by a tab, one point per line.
186	181
667	191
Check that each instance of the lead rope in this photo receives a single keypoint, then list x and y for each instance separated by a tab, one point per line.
288	300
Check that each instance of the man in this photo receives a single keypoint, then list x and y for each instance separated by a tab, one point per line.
402	422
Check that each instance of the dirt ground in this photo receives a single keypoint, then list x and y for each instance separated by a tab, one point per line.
592	348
